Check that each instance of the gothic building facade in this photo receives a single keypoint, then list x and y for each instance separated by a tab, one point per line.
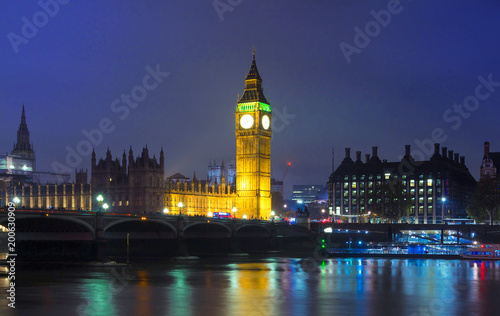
490	166
134	188
17	182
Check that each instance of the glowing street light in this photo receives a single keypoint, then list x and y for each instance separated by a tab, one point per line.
209	214
165	210
234	211
272	213
180	205
322	210
16	200
105	206
245	216
100	198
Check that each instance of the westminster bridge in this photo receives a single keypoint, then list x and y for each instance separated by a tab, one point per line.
116	234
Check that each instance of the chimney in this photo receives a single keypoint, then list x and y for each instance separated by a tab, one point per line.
486	148
358	156
436	149
456	157
407	150
462	160
450	154
444	150
367	158
348	152
374	151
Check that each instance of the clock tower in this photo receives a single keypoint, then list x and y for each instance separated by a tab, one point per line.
253	149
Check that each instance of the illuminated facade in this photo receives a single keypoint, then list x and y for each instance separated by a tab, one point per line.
251	197
253	148
432	190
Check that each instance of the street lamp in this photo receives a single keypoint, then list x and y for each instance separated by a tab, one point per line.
272	216
100	198
16	200
234	211
180	205
244	216
165	211
105	206
443	200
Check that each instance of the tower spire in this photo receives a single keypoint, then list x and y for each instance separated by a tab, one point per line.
253	85
23	148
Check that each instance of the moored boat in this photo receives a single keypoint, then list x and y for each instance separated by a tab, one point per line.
487	252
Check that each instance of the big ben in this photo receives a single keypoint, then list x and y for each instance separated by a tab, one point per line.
253	149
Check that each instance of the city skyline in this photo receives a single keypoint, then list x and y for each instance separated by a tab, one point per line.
338	88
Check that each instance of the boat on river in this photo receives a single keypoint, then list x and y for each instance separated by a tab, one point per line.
486	252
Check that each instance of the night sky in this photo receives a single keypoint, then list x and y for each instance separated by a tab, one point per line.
400	85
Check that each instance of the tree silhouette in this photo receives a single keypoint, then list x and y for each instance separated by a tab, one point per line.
485	201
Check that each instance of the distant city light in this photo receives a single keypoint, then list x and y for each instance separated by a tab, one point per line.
165	210
244	216
209	214
328	230
300	201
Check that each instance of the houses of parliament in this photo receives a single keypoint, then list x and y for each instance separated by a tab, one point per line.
137	185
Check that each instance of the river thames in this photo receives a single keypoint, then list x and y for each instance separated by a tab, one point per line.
271	286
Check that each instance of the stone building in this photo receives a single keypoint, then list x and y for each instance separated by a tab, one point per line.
438	188
135	188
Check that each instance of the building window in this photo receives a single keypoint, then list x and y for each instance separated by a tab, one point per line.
429	182
420	210
370	184
346	193
412	183
346	185
354	177
387	176
420	200
421	183
429	200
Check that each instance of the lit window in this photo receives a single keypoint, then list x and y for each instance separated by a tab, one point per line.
387	176
412	183
429	182
353	185
421	183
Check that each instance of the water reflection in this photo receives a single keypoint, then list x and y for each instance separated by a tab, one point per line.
263	287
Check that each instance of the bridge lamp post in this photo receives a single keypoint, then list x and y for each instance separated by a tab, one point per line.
100	199
165	211
180	205
272	216
105	206
16	200
234	211
244	217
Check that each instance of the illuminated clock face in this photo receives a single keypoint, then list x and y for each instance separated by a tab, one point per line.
265	122
246	121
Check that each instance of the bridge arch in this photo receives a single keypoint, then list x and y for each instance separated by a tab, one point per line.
78	221
259	227
206	223
120	221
